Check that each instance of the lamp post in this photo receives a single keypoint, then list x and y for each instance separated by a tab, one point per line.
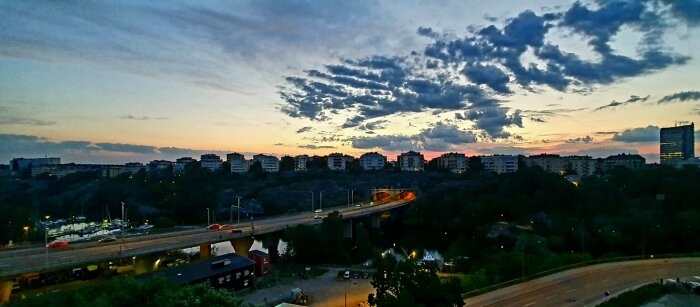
208	217
46	239
320	205
312	201
239	210
123	220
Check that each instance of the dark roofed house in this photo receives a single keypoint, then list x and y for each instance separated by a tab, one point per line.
228	271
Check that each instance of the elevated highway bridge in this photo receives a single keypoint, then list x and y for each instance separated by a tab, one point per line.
14	262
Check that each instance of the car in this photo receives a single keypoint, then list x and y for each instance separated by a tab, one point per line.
317	217
346	275
214	226
356	275
57	244
226	226
107	239
371	203
358	205
236	230
318	211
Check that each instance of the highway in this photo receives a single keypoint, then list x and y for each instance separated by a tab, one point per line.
587	285
33	259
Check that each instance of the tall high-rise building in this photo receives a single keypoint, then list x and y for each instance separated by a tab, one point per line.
677	143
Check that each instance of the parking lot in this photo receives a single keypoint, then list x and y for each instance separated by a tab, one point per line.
329	289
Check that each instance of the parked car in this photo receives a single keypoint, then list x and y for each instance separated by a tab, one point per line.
214	226
318	216
236	230
356	275
318	210
57	244
226	226
346	275
107	239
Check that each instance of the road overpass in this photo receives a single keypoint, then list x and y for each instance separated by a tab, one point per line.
587	285
26	260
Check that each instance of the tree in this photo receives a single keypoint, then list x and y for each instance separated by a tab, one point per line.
287	163
132	292
408	284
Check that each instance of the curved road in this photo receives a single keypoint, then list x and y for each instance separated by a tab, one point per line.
33	259
588	284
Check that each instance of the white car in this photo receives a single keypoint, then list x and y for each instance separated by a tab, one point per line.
317	217
318	211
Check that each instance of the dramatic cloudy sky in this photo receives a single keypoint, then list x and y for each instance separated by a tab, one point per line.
119	81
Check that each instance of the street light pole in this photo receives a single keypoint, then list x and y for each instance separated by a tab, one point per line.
239	210
320	206
312	201
46	239
522	256
208	217
348	197
352	196
123	221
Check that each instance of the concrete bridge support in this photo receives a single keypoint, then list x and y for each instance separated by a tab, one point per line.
348	229
145	264
271	241
204	251
5	291
242	245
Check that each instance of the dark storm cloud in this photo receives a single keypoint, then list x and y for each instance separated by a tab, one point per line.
527	30
682	96
614	104
304	129
587	139
489	75
398	87
492	120
688	10
439	137
638	135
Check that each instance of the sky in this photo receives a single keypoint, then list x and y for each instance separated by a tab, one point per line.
122	81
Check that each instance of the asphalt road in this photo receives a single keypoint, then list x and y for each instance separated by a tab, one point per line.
587	285
33	259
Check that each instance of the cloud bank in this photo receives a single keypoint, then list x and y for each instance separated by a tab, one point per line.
474	74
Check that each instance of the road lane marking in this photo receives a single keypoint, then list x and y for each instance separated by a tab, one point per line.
529	304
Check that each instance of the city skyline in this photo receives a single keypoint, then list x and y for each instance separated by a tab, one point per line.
121	82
